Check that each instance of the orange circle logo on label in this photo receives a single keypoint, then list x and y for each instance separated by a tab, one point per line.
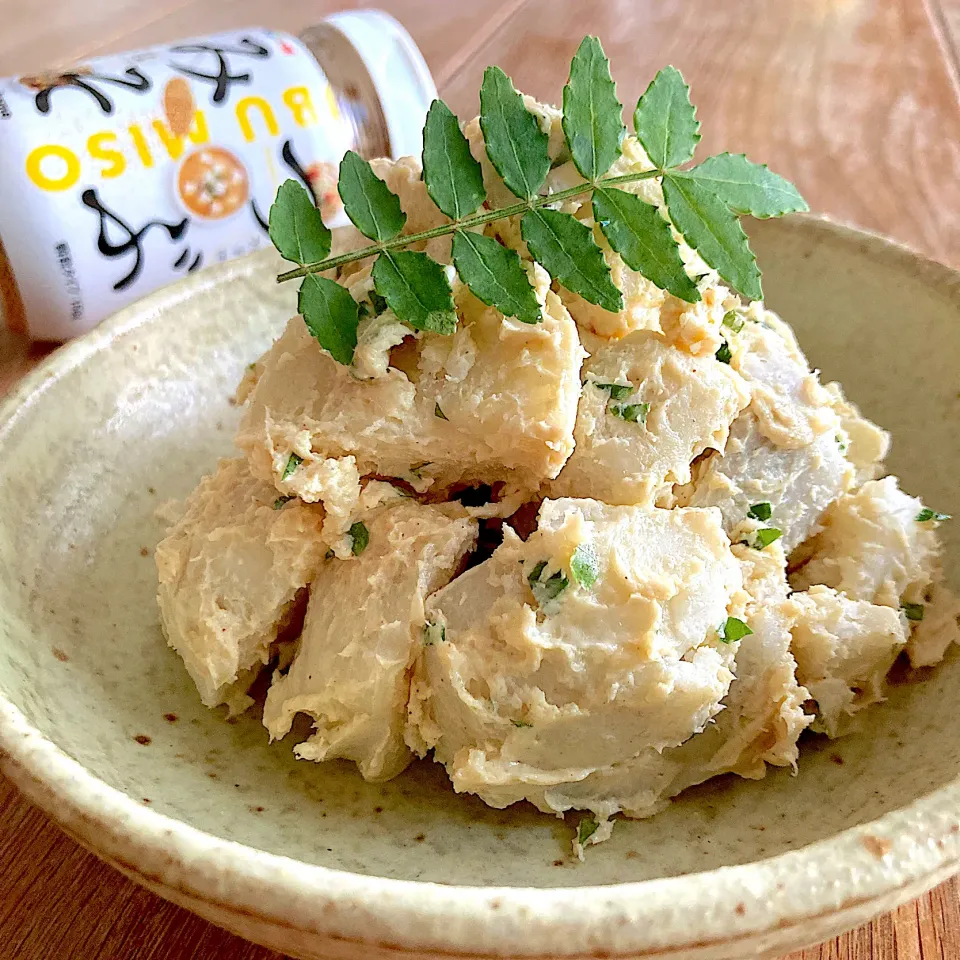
212	183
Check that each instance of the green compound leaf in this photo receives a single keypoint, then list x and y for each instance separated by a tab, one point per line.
454	179
666	121
496	276
416	290
703	203
637	231
296	228
747	188
567	251
515	144
368	201
592	114
709	226
331	316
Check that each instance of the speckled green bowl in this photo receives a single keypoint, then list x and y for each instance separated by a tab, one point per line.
101	727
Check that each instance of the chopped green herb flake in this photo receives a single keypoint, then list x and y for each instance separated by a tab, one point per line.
585	565
292	465
841	443
280	501
912	611
760	511
723	354
437	412
587	828
926	515
617	391
631	412
733	321
433	633
521	723
549	589
764	537
732	630
536	571
552	587
360	537
768	535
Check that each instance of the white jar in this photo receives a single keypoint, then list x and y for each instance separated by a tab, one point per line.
128	172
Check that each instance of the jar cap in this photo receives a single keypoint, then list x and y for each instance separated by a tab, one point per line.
400	74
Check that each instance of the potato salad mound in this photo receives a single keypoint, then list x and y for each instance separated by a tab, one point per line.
585	563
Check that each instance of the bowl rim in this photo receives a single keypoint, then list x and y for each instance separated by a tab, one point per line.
882	862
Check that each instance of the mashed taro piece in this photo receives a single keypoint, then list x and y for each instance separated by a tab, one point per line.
586	563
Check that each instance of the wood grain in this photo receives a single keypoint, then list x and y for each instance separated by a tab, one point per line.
65	31
17	357
856	100
851	99
945	17
60	902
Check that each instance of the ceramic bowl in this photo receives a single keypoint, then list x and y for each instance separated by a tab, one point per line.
101	727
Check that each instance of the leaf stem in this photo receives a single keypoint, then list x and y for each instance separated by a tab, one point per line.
465	223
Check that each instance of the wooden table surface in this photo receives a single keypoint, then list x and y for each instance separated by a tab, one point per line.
858	101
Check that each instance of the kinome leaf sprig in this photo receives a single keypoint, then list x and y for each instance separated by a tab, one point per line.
703	202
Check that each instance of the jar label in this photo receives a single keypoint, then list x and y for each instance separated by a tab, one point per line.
129	171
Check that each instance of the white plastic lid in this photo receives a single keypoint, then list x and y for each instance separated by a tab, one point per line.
400	74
